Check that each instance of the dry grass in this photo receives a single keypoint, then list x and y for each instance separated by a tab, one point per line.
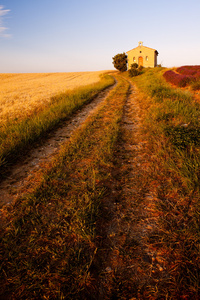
26	121
21	94
171	126
48	244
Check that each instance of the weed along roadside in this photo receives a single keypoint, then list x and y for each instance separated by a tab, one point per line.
170	126
48	237
21	176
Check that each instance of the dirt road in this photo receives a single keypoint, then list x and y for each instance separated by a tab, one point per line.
127	264
131	265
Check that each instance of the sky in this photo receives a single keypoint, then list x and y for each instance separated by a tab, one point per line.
84	35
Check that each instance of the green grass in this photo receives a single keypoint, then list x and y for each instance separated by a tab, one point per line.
174	116
48	238
172	128
17	136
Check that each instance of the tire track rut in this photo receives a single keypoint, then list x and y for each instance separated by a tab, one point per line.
24	171
130	264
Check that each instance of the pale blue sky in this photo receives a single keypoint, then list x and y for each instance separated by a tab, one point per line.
84	35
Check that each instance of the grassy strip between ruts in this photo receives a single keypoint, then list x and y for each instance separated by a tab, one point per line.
171	125
18	135
48	240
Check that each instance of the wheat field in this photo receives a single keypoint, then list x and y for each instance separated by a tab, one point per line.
22	94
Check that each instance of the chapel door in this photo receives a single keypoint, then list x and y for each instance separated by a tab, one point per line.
140	61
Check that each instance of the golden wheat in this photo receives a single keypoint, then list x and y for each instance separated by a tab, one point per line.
21	94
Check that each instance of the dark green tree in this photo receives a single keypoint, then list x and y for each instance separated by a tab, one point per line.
120	62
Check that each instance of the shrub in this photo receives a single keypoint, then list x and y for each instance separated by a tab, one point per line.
134	66
134	70
178	79
185	75
140	68
120	62
189	70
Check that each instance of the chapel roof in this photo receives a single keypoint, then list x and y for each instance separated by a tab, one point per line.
140	44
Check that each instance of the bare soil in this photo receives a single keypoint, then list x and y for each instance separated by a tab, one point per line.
23	175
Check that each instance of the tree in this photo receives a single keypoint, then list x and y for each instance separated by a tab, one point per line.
120	62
